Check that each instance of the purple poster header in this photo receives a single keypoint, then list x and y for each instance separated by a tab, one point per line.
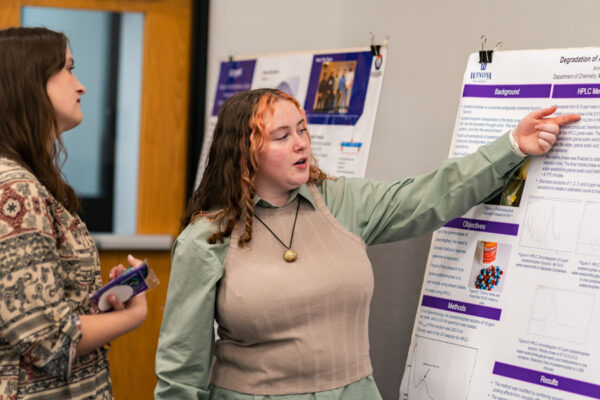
235	77
547	380
508	91
461	307
481	225
575	91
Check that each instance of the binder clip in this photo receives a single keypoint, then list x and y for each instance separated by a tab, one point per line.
485	56
230	58
375	48
376	51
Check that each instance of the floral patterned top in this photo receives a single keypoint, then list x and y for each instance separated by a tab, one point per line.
48	267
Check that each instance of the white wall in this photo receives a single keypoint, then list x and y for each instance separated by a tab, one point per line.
429	45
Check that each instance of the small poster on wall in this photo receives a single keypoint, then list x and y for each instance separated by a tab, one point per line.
339	91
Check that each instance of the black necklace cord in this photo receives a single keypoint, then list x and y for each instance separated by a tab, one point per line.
293	227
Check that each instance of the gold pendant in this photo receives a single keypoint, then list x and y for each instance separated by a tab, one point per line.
290	255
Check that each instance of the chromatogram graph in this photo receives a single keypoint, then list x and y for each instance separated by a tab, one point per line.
436	366
551	224
589	236
561	314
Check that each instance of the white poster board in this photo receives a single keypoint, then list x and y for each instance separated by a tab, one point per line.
510	304
339	91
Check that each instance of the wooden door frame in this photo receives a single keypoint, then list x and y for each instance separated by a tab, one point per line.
165	101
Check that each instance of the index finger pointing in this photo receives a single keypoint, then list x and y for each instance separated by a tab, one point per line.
544	112
566	119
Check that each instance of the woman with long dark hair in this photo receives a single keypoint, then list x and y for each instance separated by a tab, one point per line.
51	345
275	252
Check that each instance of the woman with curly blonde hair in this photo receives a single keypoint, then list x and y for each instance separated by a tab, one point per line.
274	251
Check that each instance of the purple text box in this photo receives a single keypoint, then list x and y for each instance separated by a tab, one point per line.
507	91
461	307
234	77
566	91
547	380
481	225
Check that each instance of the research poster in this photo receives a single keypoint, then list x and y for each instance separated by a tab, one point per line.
510	305
339	91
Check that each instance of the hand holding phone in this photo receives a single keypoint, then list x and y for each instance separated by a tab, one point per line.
131	282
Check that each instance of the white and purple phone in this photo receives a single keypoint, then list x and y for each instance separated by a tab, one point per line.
131	282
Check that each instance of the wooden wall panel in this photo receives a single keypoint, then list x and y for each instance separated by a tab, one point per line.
161	186
9	13
132	355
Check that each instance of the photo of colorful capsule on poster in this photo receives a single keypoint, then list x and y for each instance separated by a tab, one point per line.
489	278
490	263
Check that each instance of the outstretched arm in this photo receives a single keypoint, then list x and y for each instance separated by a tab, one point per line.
381	212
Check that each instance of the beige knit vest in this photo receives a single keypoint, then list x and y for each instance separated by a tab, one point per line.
294	327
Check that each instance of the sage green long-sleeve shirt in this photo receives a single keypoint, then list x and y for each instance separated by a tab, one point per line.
377	212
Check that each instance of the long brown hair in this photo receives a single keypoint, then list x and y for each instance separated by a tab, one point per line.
28	126
227	189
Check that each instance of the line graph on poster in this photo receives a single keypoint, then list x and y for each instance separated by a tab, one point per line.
551	224
561	314
589	235
432	364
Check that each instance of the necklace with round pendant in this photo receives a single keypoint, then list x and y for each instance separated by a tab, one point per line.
289	255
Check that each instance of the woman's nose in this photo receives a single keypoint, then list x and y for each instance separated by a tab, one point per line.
301	142
80	88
